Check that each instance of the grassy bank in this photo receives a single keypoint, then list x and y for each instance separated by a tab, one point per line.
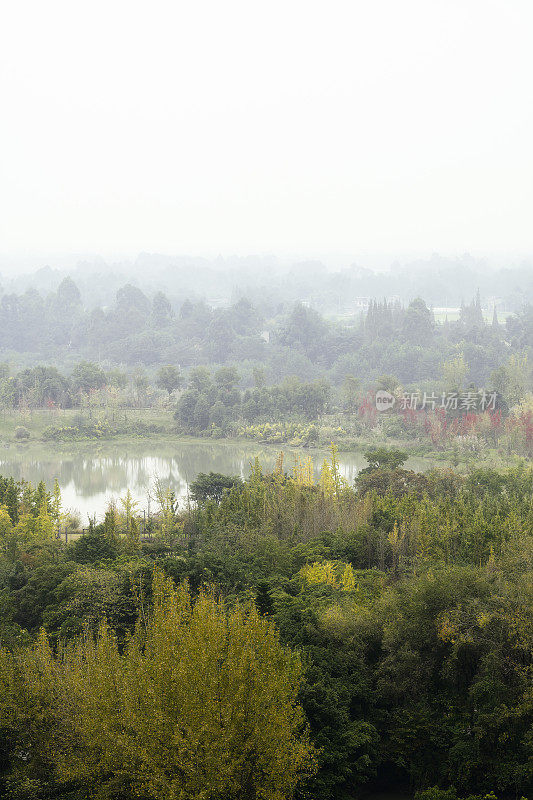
62	429
76	424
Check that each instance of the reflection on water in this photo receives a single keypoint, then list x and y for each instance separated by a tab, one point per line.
90	476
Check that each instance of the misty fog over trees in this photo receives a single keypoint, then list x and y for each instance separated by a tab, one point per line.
269	282
310	322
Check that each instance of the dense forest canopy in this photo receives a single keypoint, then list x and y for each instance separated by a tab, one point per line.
309	639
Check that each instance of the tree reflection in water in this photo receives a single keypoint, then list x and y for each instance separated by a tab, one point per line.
90	476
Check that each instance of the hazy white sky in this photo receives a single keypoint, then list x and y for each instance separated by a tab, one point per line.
227	126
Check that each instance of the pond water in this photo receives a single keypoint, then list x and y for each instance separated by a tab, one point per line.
91	475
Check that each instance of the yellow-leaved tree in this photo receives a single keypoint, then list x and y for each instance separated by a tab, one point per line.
6	526
201	703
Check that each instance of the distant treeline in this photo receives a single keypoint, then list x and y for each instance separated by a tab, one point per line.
274	287
306	362
138	331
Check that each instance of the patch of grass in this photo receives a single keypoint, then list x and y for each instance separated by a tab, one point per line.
84	424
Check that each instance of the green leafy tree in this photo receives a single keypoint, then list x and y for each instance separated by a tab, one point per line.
201	413
110	523
161	309
418	326
200	379
226	377
87	376
169	378
212	486
383	458
454	372
511	380
194	679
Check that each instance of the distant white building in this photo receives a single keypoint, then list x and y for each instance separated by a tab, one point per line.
218	302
